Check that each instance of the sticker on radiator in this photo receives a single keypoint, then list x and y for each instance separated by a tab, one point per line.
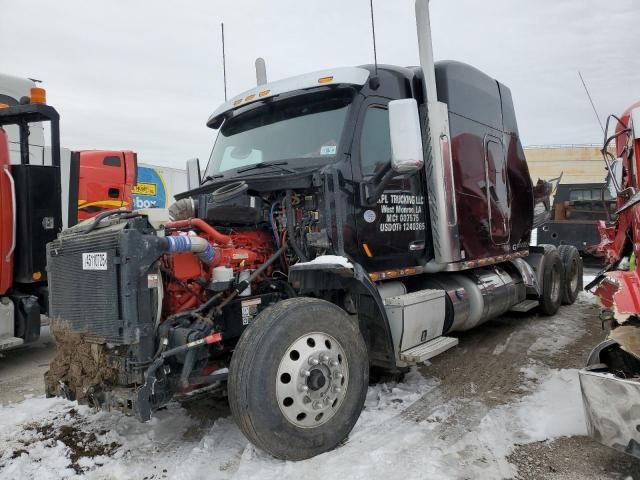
249	309
152	280
94	261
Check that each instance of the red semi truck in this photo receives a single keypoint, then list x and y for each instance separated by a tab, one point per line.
105	180
611	381
348	219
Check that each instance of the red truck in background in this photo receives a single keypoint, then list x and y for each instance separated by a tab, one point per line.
610	382
38	197
105	180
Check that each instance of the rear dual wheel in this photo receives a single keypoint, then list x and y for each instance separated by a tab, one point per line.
552	281
298	378
572	263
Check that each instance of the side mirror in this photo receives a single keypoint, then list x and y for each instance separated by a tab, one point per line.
614	179
406	139
193	173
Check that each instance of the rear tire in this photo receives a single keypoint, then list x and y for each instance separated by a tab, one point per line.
552	281
572	264
297	343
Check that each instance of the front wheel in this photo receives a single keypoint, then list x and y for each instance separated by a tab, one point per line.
298	378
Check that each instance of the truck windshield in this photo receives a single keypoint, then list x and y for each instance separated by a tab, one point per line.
304	130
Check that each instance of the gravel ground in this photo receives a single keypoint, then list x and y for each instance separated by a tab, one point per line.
22	369
499	350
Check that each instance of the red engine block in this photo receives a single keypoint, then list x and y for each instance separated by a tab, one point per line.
188	277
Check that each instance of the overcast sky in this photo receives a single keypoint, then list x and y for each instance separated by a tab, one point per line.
145	76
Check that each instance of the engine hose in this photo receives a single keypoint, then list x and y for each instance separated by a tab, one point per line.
101	216
204	226
291	226
184	243
183	209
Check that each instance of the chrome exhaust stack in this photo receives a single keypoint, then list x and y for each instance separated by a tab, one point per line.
437	147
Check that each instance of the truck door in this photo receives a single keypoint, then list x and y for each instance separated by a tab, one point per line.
130	177
7	212
391	234
497	191
102	182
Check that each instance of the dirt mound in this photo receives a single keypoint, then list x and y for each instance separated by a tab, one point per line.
78	365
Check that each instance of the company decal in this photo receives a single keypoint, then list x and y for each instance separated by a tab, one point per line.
150	191
92	207
369	216
401	212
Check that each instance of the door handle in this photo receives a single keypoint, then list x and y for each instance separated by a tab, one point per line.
417	246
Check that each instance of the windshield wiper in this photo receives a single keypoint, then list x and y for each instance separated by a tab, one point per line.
267	165
208	178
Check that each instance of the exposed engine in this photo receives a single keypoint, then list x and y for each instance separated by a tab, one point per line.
164	289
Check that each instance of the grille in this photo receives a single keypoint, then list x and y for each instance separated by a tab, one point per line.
88	299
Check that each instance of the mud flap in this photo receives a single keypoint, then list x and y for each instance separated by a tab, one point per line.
27	317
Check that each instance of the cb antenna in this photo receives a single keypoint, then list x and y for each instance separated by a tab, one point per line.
591	100
373	32
224	64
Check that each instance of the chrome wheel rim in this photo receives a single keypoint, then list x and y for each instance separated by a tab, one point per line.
312	380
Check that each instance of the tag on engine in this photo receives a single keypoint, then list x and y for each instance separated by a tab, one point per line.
94	261
249	309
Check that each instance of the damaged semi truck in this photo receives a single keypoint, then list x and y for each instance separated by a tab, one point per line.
611	381
347	219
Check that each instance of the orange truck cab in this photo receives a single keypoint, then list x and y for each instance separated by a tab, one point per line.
106	178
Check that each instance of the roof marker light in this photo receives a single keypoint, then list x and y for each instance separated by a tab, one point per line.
250	97
325	79
38	95
237	102
264	93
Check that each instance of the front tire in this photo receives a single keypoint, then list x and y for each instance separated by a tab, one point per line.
298	378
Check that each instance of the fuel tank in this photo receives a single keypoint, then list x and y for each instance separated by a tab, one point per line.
477	295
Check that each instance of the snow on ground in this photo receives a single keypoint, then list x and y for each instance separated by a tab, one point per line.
389	441
407	430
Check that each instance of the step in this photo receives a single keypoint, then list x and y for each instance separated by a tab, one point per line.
8	342
429	349
525	306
